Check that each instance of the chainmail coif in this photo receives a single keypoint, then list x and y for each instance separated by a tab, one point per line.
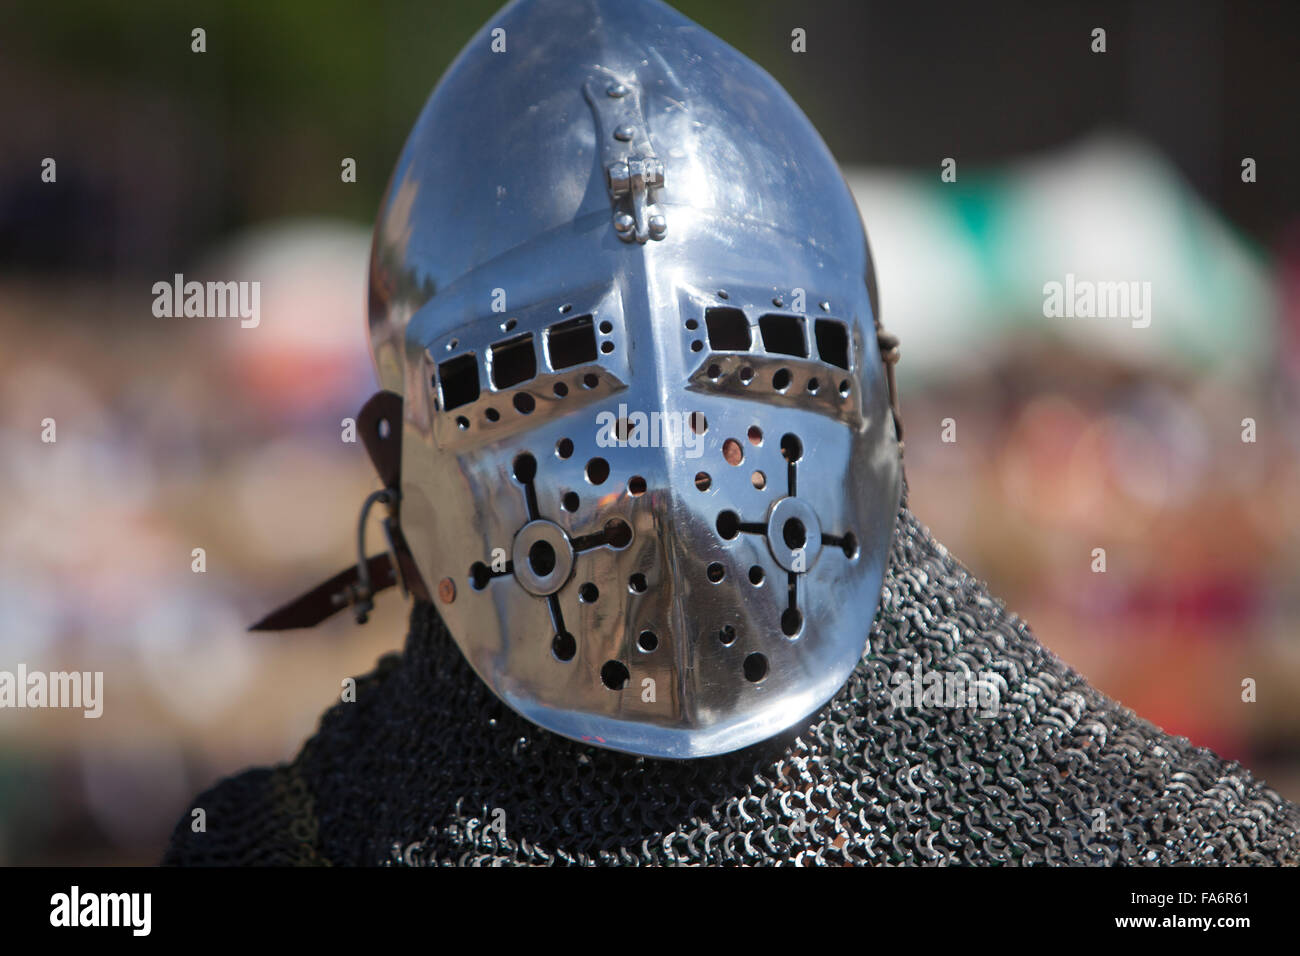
428	767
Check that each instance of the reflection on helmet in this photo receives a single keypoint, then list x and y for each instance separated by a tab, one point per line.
648	452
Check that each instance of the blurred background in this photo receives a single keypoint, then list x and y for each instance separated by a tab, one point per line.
1071	434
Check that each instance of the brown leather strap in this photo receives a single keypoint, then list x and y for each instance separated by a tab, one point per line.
329	598
380	425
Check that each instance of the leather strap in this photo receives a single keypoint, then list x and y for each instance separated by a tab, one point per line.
329	597
380	425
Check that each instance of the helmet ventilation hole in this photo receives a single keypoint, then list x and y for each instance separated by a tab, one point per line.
614	675
755	435
637	583
791	447
716	572
564	447
732	451
597	471
850	545
728	524
791	622
756	575
759	480
588	593
699	424
648	641
525	468
479	575
563	646
570	501
636	486
727	635
702	480
755	667
618	533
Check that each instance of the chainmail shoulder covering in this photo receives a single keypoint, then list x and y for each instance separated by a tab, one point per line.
428	767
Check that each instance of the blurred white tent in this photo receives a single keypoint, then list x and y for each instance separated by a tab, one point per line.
963	265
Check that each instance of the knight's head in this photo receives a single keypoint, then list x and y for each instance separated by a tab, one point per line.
623	289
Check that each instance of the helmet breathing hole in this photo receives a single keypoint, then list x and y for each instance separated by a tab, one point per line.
727	635
755	435
699	424
732	451
728	524
597	471
614	675
794	533
716	572
524	403
648	641
746	375
755	667
525	468
479	575
756	575
759	480
702	480
636	486
541	558
791	621
563	646
618	533
781	379
564	448
491	414
637	583
560	389
570	501
588	593
849	544
791	447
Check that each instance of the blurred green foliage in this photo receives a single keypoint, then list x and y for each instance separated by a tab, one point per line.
287	81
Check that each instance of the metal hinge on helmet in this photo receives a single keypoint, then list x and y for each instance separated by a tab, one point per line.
633	173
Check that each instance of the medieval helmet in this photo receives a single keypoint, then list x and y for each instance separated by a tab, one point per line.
649	465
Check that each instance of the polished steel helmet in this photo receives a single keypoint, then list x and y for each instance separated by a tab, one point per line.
649	467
